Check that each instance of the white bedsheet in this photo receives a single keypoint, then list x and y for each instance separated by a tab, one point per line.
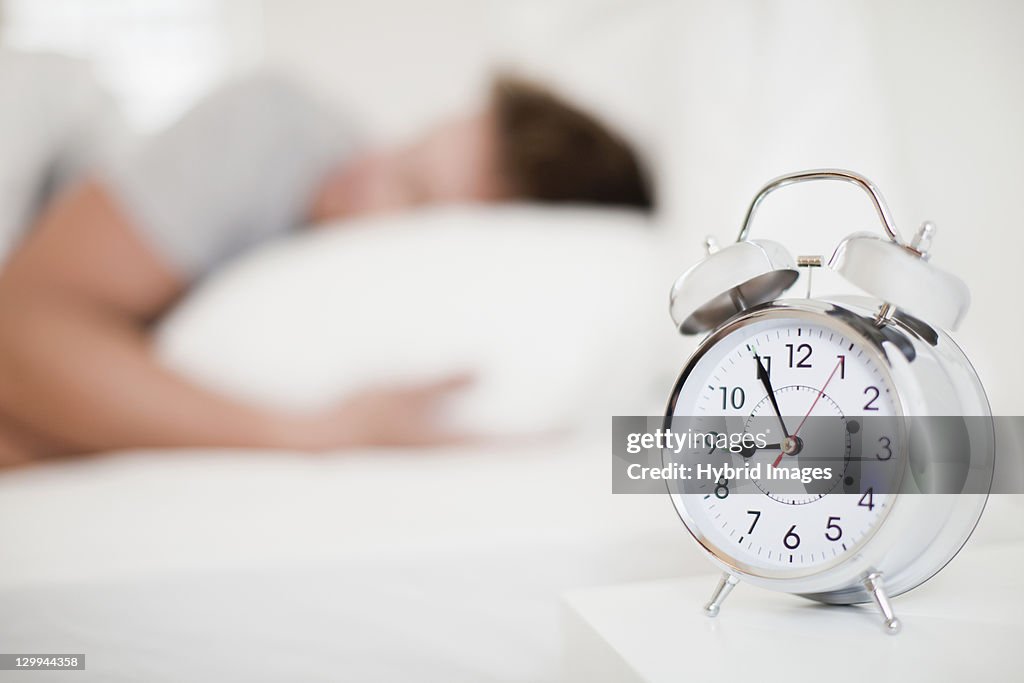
370	566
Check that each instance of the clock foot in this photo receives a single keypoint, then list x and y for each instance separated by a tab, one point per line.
873	583
722	590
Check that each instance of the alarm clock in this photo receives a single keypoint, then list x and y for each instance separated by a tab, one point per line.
879	368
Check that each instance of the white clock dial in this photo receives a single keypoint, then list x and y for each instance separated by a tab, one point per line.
827	390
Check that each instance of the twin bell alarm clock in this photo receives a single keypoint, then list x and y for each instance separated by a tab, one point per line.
870	390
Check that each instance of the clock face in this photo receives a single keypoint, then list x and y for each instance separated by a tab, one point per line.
818	399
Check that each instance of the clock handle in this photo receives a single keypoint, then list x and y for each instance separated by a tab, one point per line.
825	174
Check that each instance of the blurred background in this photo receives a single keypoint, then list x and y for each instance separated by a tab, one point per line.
393	64
564	311
922	97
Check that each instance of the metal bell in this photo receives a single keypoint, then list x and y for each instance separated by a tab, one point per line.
728	281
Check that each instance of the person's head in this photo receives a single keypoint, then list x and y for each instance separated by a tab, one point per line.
526	144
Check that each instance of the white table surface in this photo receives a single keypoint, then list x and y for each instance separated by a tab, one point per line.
965	624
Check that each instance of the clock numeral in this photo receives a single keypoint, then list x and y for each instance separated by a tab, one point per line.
832	526
873	393
757	516
868	499
885	444
735	398
802	362
842	365
722	488
766	363
791	540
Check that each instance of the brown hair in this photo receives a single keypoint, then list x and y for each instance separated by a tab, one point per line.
549	150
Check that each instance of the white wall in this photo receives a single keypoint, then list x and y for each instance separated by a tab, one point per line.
395	64
953	73
155	56
399	63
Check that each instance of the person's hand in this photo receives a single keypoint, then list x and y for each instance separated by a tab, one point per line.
409	415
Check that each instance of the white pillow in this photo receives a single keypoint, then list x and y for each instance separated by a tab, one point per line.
561	313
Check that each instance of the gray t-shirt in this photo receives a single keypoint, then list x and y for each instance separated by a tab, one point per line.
239	168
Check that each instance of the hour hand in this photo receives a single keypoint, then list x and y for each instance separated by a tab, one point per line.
748	451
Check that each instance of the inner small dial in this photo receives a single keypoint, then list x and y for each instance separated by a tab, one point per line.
820	398
813	434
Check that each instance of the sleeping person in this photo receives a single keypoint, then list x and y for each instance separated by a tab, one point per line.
113	252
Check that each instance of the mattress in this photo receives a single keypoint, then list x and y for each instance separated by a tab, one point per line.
377	565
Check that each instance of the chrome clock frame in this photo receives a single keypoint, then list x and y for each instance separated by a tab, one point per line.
920	532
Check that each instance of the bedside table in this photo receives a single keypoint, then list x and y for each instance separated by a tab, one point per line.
965	624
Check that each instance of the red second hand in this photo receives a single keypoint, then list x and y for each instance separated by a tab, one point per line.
820	393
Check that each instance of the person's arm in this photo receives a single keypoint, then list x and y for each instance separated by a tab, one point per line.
76	365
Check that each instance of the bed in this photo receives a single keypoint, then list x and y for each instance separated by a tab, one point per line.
444	564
